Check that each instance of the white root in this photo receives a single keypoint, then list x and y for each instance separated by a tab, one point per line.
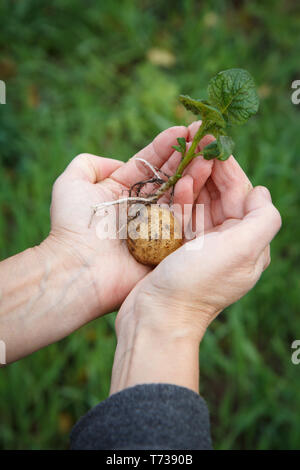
124	199
118	201
97	207
148	164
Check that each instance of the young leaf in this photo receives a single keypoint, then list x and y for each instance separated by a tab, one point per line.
221	148
181	147
211	151
209	114
226	146
182	143
233	93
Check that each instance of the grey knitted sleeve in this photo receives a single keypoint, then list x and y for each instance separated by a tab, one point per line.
150	416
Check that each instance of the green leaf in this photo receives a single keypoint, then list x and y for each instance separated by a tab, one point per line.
226	146
182	145
221	148
233	93
208	113
211	151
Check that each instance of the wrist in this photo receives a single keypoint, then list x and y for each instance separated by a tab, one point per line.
69	279
164	315
91	268
148	354
47	296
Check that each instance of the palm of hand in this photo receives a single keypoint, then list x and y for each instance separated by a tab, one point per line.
215	270
90	180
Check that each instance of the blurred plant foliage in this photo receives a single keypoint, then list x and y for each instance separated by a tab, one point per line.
103	77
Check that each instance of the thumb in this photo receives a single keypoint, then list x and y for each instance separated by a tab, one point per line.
91	168
261	221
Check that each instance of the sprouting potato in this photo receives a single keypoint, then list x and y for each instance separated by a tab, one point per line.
153	233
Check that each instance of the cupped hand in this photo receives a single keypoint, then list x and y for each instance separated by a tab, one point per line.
188	289
90	180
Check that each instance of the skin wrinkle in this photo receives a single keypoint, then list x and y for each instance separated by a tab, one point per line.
66	304
41	287
121	367
65	289
22	286
120	359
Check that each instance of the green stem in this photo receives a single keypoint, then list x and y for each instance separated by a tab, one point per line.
184	162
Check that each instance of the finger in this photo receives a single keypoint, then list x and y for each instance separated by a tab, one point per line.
156	153
160	154
171	165
192	130
204	199
169	168
199	169
217	213
259	226
226	225
233	187
183	192
91	167
183	200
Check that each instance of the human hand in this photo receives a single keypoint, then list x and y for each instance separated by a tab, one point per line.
188	289
109	269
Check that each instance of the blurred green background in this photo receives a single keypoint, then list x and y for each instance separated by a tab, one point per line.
103	77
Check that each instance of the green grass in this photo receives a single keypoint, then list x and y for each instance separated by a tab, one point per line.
80	79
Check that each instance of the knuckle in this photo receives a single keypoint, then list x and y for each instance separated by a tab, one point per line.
267	262
247	253
56	183
274	217
266	258
277	218
248	272
80	156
